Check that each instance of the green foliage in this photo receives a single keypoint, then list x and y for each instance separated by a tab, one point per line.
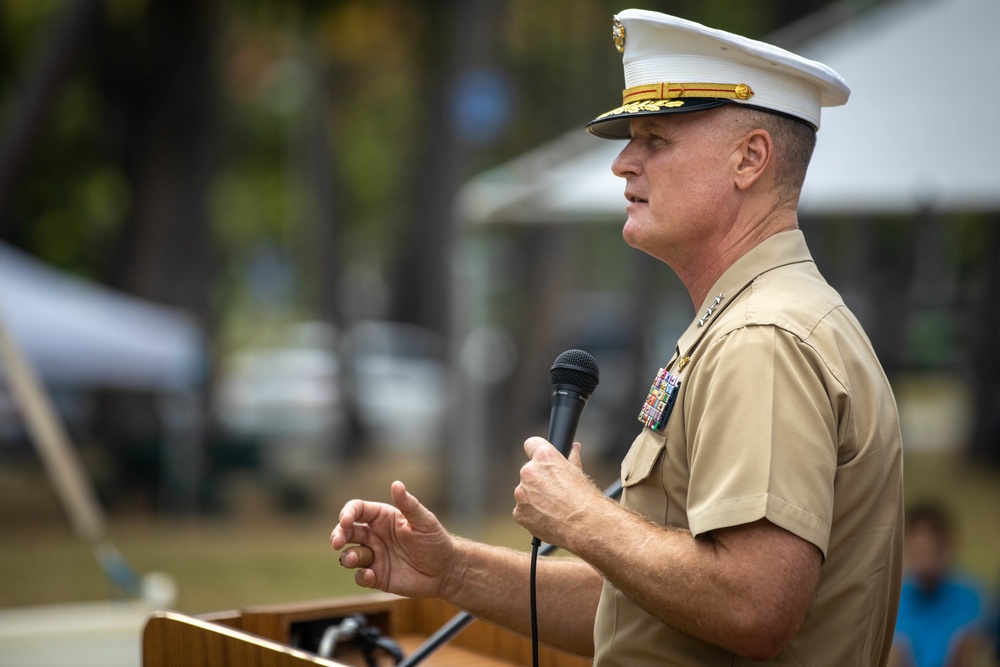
24	22
70	201
362	79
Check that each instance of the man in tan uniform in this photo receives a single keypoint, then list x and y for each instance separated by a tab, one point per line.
762	504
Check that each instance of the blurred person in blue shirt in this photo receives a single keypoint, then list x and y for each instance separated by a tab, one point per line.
941	621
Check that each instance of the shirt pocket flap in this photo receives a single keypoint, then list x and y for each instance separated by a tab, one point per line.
642	456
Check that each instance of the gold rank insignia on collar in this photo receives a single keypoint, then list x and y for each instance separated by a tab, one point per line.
710	310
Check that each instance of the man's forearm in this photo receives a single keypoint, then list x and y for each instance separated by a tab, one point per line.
493	584
747	589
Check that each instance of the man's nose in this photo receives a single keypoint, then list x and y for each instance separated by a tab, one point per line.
626	163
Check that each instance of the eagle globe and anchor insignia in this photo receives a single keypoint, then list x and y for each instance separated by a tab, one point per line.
618	35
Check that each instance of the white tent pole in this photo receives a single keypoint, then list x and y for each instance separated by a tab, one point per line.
62	463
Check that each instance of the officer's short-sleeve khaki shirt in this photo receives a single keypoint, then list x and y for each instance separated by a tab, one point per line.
784	414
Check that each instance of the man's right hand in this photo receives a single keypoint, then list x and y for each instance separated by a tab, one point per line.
400	548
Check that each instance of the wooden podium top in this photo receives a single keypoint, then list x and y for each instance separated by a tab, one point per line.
284	636
172	639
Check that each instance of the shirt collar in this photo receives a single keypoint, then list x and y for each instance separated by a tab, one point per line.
775	251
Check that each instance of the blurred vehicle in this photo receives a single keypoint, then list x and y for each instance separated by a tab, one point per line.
398	380
389	378
289	389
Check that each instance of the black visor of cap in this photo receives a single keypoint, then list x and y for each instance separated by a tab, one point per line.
616	125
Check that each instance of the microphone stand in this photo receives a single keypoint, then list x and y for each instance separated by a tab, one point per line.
461	620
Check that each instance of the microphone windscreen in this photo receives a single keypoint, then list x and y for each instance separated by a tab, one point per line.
576	368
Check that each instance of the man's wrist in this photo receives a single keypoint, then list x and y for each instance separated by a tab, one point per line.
590	534
452	580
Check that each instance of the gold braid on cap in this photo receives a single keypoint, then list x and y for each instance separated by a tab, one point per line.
668	91
655	97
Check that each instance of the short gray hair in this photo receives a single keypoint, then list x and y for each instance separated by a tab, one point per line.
794	140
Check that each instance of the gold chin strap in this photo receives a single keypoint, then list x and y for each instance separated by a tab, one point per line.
667	91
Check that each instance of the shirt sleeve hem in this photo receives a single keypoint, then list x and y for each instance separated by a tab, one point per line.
763	506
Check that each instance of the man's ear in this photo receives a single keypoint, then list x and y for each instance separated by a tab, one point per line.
755	153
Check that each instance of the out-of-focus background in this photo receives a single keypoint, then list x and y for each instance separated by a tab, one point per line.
269	256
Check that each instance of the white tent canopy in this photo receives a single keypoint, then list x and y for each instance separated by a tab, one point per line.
919	130
79	333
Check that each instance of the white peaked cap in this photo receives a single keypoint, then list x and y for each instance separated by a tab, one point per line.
673	65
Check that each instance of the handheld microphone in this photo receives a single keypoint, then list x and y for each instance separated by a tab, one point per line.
574	377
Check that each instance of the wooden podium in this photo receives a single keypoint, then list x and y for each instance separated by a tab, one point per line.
273	636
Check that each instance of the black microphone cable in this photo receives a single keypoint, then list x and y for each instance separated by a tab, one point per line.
535	543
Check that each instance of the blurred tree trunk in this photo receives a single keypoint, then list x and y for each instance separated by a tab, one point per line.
461	36
50	65
163	117
158	75
984	333
324	237
324	229
890	275
547	270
